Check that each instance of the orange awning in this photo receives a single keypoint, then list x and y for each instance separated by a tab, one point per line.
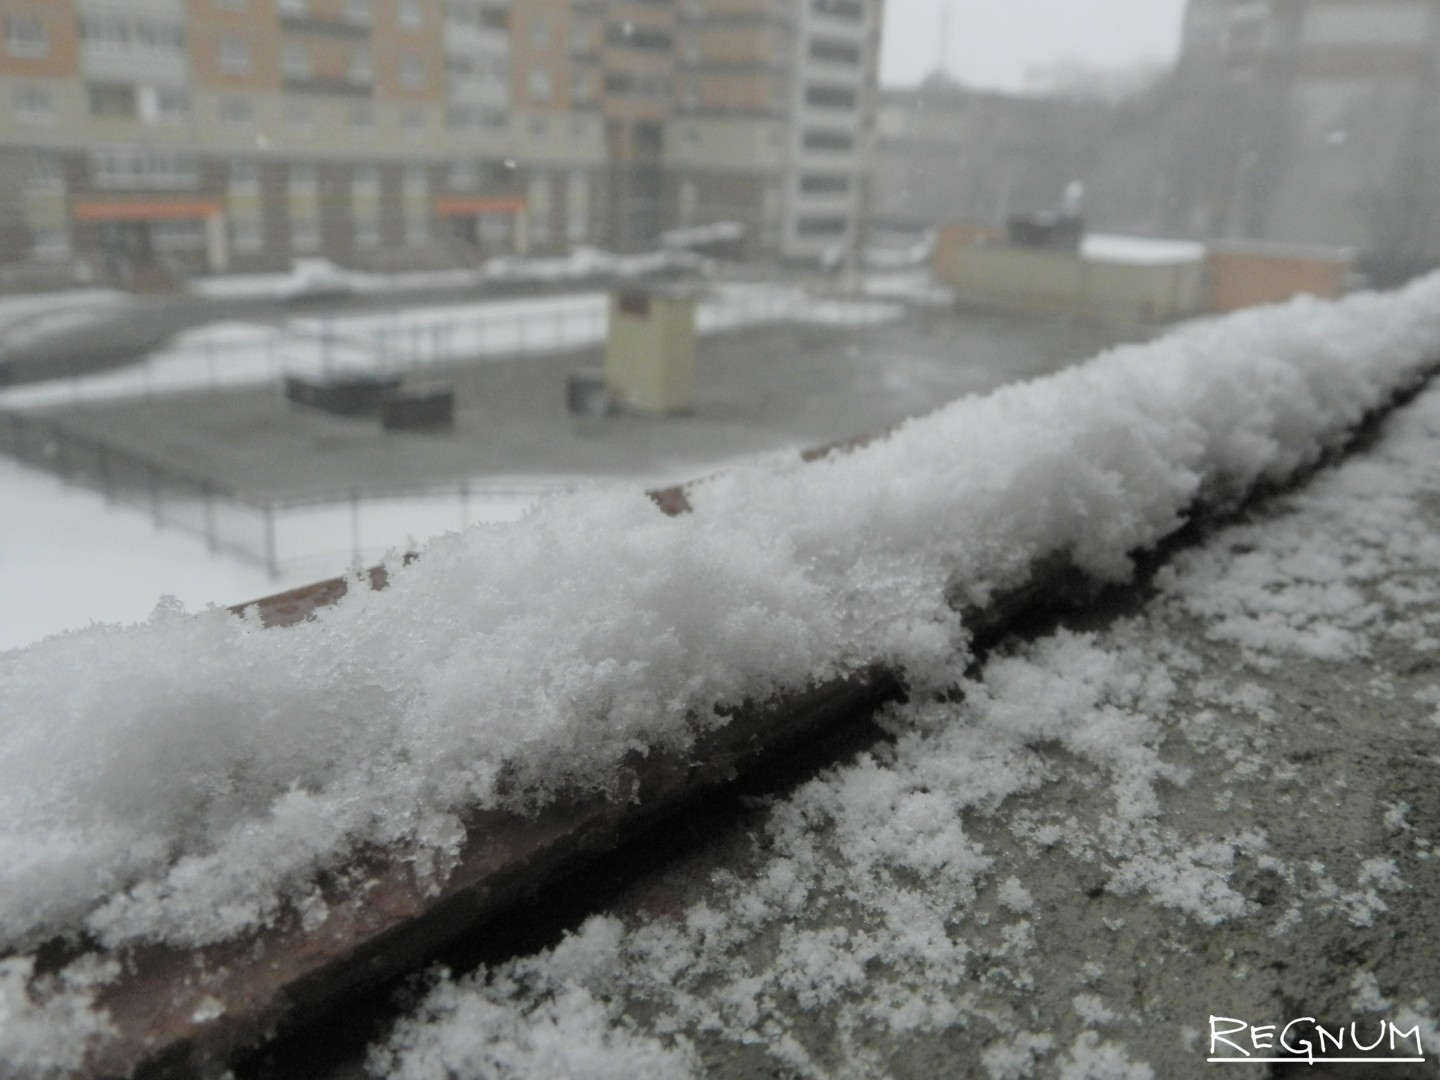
482	205
145	209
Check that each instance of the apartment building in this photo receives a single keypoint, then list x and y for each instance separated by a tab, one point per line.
776	120
1313	120
948	154
214	135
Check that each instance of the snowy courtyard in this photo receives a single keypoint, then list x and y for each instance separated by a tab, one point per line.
779	370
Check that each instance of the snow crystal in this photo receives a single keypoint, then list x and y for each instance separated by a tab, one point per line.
1014	896
1091	1059
1015	1058
1367	997
47	1022
1092	1010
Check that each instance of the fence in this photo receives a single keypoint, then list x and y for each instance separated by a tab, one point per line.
227	357
358	523
322	531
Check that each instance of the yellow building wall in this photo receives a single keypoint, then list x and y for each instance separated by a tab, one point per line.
650	352
1064	283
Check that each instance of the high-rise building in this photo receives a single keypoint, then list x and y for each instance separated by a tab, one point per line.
1313	120
208	135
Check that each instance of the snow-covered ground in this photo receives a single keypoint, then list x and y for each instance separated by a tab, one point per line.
28	318
410	340
544	651
310	274
55	576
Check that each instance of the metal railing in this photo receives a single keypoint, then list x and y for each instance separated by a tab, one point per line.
324	530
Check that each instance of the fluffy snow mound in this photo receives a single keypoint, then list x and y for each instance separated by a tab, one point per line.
183	779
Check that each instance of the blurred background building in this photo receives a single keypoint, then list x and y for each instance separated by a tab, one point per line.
945	152
1296	121
143	139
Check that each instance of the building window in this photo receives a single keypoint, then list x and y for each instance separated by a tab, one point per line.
165	104
820	226
417	181
460	118
538	85
362	118
853	10
49	243
833	51
134	167
412	122
409	15
32	105
359	68
580	39
824	183
294	60
827	140
358	12
629	36
366	182
233	55
25	35
580	88
304	234
367	232
417	230
236	113
231	5
411	71
45	173
246	236
114	101
539	33
304	180
298	115
464	176
494	231
110	32
177	235
820	96
244	178
294	9
539	127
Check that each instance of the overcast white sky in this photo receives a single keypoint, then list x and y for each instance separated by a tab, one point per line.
992	43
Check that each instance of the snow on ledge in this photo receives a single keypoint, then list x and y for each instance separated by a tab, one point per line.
185	779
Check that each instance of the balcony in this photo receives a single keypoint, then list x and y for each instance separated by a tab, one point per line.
335	26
